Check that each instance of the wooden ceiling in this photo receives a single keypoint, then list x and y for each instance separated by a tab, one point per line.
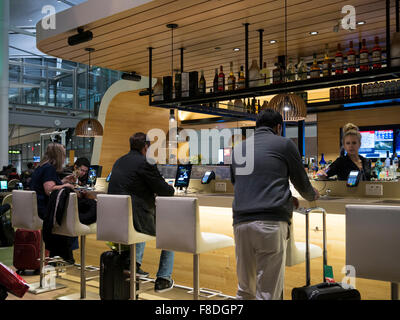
121	40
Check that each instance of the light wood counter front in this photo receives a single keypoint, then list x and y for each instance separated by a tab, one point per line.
218	268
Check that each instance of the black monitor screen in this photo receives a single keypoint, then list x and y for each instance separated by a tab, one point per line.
183	175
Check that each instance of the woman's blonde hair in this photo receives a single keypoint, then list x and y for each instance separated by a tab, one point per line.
55	155
351	130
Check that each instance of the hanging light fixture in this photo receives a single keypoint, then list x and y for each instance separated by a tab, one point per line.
291	106
89	127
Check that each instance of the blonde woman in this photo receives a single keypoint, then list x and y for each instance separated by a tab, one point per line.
352	160
45	177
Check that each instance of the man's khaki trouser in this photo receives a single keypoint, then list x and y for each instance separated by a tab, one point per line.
260	258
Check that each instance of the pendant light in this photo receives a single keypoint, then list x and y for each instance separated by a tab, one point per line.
291	106
89	127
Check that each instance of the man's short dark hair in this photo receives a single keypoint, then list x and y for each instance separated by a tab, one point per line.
82	162
29	165
269	118
138	141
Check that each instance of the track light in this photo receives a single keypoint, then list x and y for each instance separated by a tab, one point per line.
132	76
81	37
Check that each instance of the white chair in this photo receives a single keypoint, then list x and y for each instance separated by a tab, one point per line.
72	227
25	216
296	251
115	223
178	229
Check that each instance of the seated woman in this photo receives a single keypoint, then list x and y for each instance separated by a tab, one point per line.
44	181
352	161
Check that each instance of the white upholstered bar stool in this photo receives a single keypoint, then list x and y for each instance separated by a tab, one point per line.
115	223
72	227
296	251
25	216
178	229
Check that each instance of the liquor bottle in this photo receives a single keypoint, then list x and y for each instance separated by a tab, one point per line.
241	79
396	161
254	74
215	83
158	90
351	59
221	80
327	65
202	84
315	71
387	161
248	106
231	79
377	55
302	70
264	75
291	71
322	162
364	57
278	74
339	60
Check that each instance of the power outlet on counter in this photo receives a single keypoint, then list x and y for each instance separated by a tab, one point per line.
220	186
374	190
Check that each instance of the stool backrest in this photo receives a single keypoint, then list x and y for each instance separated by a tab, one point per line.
70	224
177	224
25	214
372	239
114	218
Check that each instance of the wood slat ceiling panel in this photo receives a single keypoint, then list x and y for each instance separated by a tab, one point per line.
298	39
121	40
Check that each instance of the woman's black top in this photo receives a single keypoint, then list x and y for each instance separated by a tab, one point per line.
42	174
343	165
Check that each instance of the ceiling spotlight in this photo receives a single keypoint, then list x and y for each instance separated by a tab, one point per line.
132	76
313	33
360	23
272	41
81	37
236	49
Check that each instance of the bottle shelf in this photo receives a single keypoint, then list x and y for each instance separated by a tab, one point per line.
359	77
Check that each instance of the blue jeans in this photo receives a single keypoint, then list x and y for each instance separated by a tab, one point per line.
166	261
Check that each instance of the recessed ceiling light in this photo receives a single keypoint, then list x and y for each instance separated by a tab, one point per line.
236	49
361	22
30	20
272	41
313	33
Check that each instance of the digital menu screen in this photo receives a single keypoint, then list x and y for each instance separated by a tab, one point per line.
376	143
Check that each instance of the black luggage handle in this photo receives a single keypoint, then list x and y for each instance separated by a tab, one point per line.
306	212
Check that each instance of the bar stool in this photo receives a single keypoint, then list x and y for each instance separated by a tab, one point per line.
115	223
72	227
178	229
25	216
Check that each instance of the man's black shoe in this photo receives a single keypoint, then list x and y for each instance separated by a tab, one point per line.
140	273
163	285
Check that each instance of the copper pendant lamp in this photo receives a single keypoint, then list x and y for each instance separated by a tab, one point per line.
89	127
291	106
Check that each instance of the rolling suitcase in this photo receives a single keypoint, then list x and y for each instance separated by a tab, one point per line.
324	290
12	282
27	250
114	282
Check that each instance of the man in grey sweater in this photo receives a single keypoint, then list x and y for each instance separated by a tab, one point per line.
263	207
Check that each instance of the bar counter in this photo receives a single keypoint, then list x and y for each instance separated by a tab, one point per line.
218	268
